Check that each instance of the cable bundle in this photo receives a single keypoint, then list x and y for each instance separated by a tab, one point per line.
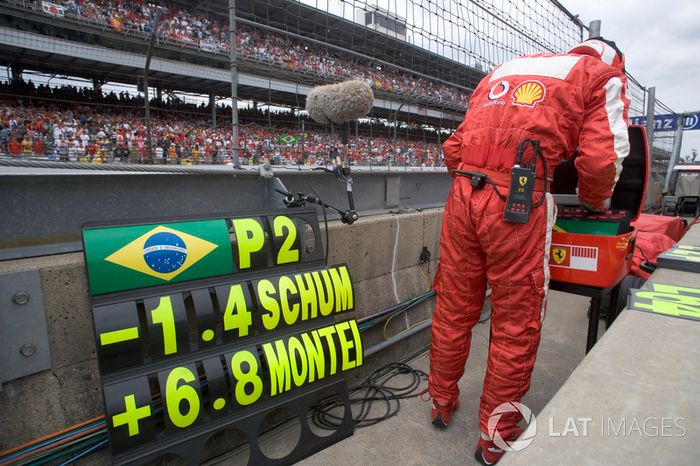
374	388
84	438
390	312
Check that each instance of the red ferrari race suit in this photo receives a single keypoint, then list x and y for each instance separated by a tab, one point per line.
565	101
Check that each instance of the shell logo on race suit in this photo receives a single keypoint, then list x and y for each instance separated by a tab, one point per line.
528	94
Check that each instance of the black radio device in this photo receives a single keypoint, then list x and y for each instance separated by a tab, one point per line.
522	184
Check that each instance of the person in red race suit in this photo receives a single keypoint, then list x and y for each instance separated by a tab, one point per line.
558	103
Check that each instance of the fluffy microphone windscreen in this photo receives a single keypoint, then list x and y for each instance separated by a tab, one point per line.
341	102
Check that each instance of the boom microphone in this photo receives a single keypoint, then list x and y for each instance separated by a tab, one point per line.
340	103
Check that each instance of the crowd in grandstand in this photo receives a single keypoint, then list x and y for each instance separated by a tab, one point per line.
188	28
81	124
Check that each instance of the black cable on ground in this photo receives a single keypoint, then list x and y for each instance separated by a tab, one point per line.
375	388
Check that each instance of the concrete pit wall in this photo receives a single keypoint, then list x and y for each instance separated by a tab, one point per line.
69	393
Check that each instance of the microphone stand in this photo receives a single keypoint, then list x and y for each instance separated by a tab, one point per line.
342	171
300	200
351	216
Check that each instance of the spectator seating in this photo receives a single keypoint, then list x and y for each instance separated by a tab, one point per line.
42	122
189	29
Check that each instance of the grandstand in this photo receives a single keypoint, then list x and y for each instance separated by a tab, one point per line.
40	121
284	48
304	57
115	24
421	77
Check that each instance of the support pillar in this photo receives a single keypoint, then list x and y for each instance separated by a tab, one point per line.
212	105
675	153
16	73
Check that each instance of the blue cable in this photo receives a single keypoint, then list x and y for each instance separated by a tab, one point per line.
92	449
48	441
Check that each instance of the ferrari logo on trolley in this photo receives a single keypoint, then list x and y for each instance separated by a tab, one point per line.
162	253
574	257
559	255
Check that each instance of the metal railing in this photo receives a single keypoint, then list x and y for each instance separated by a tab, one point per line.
189	158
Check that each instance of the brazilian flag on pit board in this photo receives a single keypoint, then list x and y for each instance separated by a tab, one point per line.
129	257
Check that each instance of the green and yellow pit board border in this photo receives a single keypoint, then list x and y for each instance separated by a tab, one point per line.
668	300
133	256
236	315
680	257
